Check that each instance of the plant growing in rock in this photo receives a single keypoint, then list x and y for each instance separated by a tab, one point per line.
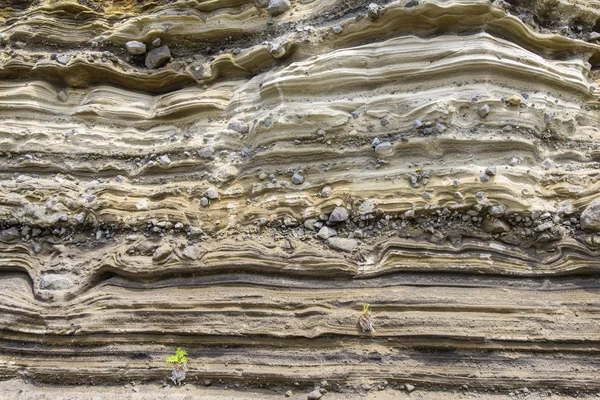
365	321
179	362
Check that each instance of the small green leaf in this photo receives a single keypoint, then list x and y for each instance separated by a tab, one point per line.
179	357
366	309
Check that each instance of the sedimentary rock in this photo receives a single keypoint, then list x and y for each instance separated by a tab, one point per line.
246	190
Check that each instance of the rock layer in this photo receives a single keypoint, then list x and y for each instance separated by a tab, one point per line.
245	199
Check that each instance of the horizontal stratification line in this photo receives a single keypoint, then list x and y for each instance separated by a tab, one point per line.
424	279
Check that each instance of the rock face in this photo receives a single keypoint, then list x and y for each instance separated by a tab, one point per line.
244	192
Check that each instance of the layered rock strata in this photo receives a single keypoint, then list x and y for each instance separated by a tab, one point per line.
245	182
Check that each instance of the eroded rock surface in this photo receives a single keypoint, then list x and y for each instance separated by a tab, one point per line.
240	177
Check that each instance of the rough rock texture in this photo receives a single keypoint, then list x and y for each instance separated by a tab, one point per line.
189	205
157	57
134	47
590	217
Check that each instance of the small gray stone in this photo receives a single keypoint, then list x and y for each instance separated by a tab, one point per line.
55	282
212	193
10	234
206	152
497	211
484	177
544	227
158	57
262	176
289	393
135	48
440	128
367	207
491	171
427	196
494	225
417	124
565	207
310	224
337	29
156	42
26	230
290	222
409	215
326	192
339	214
204	202
164	159
63	58
80	218
384	148
548	116
342	244
590	217
548	163
409	388
514	162
277	7
297	179
456	182
484	111
314	395
162	252
373	11
326	232
62	96
238	126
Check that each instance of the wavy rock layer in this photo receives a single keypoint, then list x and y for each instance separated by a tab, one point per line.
439	161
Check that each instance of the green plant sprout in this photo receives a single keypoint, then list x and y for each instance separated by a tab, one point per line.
365	321
179	357
179	361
